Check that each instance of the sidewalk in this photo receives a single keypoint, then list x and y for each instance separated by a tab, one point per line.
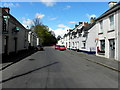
8	60
109	63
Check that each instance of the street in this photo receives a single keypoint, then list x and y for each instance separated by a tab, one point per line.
58	69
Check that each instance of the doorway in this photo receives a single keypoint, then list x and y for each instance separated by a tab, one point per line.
112	48
6	45
15	44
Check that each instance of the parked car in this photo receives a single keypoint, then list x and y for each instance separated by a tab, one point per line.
39	48
62	47
57	46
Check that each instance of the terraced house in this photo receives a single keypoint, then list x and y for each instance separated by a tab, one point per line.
0	31
108	32
101	36
14	34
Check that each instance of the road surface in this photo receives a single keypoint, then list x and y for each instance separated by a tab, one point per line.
58	69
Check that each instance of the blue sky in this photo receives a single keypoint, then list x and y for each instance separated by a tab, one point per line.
58	16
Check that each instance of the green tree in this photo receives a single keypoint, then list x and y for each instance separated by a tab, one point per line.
46	37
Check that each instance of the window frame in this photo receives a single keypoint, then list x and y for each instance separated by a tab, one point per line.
111	27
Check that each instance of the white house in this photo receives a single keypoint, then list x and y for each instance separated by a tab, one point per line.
100	36
14	34
0	31
33	39
108	32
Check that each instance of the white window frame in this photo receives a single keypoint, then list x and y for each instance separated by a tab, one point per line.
111	24
101	26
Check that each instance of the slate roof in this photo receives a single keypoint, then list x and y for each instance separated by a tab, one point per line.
111	10
13	19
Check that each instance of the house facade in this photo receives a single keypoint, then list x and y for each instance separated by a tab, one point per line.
33	39
0	31
78	39
14	34
108	33
101	36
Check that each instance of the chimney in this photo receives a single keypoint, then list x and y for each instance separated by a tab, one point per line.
6	9
92	19
80	23
85	23
112	3
76	25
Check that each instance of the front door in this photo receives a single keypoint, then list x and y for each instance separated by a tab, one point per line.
15	44
112	48
6	45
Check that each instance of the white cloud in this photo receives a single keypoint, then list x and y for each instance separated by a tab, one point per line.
10	5
26	22
53	18
48	4
92	15
67	7
62	26
40	16
72	22
61	30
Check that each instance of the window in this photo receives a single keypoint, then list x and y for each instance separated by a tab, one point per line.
111	18
84	45
102	45
101	27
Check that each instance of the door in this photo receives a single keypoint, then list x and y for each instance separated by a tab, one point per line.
15	44
112	48
6	45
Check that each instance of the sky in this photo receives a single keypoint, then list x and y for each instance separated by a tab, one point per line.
58	16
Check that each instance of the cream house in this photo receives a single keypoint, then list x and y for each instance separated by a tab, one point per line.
14	34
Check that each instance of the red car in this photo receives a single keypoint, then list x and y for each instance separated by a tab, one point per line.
62	47
57	46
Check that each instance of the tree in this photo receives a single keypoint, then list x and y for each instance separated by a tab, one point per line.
46	37
37	21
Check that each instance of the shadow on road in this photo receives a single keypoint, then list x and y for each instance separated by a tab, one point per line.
15	57
27	72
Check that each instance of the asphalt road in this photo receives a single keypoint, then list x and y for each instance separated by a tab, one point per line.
58	69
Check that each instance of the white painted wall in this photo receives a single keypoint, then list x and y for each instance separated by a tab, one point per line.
22	40
90	42
118	36
0	31
109	35
32	38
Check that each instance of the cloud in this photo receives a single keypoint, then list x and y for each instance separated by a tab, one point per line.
62	26
10	5
61	30
72	22
48	4
92	15
53	18
40	16
67	7
27	22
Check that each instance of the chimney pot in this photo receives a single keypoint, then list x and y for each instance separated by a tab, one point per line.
6	9
112	3
92	19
